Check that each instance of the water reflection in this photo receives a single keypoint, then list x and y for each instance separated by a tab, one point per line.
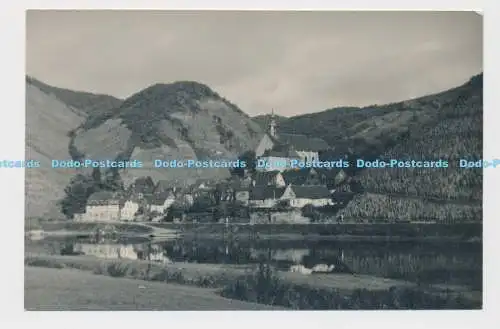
426	262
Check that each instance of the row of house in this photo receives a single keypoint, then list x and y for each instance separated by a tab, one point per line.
293	188
142	197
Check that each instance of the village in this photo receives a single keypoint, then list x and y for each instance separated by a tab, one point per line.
277	191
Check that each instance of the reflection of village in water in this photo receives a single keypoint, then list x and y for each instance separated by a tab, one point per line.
302	260
457	263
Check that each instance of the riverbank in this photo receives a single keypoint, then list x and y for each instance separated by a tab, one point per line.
122	229
342	232
236	279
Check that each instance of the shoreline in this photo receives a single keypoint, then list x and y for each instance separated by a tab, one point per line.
467	233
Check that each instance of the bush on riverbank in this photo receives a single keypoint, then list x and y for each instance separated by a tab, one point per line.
265	287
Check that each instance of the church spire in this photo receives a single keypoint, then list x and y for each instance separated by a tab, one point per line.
272	125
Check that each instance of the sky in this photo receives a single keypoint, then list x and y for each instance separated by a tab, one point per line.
292	62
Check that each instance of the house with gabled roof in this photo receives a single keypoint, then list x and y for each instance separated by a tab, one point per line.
277	159
268	178
299	196
159	202
265	196
131	206
332	176
104	206
306	147
306	176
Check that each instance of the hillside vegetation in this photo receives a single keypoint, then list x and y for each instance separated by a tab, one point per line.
48	121
87	102
446	126
181	120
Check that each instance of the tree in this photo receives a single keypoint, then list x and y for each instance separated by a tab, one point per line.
222	210
96	176
219	192
113	181
202	203
249	158
77	193
177	209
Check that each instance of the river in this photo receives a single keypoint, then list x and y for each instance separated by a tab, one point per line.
426	262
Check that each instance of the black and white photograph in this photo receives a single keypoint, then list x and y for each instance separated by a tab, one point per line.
253	160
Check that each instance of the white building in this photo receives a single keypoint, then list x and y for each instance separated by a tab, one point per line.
294	196
269	178
103	206
161	201
299	196
302	146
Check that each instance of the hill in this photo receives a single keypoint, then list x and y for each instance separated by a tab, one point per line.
48	121
447	126
180	120
87	102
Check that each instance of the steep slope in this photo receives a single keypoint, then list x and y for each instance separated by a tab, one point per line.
87	102
48	122
452	131
447	126
181	120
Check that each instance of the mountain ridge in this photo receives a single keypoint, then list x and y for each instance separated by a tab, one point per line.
179	120
189	120
85	101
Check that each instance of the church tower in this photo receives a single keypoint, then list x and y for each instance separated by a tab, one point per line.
272	125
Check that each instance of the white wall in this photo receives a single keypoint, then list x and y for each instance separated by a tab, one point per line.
263	203
168	202
274	163
242	196
279	217
128	211
265	144
158	208
299	202
105	212
311	156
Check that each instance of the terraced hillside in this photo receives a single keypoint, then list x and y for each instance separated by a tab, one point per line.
447	126
181	120
48	121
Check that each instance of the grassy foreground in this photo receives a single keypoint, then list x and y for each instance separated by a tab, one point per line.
72	290
265	286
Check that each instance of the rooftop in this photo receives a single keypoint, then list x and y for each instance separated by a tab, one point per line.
303	142
266	192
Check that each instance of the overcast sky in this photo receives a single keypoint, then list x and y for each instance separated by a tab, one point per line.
294	62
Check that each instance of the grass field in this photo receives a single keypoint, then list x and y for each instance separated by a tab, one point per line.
220	276
64	290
